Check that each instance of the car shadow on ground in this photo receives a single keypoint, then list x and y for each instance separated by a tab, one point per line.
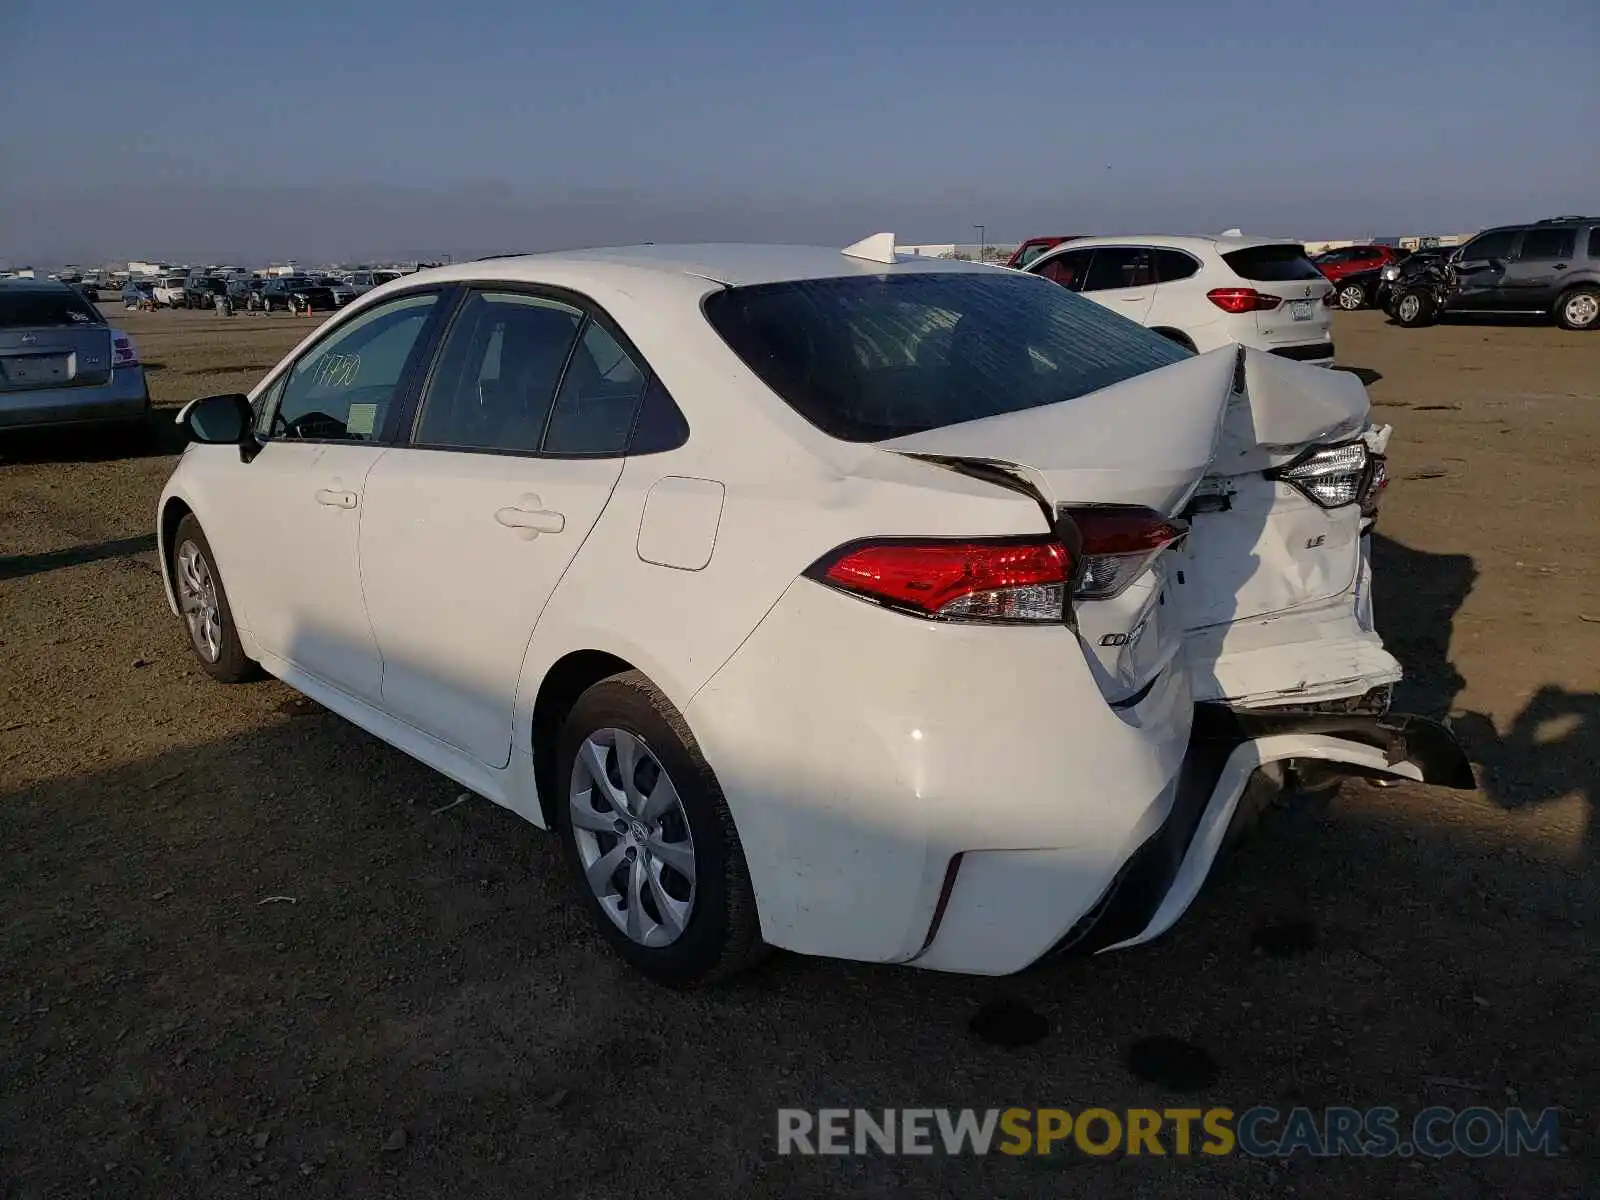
1520	320
266	956
19	566
158	437
1367	375
1552	748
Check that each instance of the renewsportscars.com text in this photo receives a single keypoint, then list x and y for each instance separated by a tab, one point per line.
1259	1132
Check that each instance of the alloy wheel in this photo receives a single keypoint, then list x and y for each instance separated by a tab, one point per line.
1410	306
632	836
1350	298
1582	310
197	598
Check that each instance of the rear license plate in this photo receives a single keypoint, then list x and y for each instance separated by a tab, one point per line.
1301	310
37	368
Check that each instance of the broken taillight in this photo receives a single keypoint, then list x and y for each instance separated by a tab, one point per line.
1331	476
1119	544
1017	580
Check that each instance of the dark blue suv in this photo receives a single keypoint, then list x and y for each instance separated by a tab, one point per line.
1549	267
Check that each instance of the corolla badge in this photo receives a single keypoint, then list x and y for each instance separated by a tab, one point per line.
28	339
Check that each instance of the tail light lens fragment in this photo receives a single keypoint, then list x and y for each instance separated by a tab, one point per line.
1119	545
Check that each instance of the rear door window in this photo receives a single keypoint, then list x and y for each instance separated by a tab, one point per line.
1283	263
1594	242
1120	267
599	394
876	357
1547	244
497	377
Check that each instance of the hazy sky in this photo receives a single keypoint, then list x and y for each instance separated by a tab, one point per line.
362	128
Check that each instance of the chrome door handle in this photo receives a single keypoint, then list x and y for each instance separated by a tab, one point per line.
336	499
532	521
1134	299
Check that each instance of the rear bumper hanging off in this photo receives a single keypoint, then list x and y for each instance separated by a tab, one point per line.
1163	877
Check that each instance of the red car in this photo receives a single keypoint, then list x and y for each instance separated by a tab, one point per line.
1347	260
1034	247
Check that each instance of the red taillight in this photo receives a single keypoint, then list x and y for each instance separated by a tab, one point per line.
993	579
1242	300
1119	544
122	352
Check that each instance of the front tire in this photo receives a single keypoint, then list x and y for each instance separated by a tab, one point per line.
1413	310
1579	309
649	838
1352	296
204	604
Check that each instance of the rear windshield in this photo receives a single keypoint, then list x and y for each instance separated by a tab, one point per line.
876	357
1272	264
24	309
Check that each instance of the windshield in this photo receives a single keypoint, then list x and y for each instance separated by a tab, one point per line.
870	358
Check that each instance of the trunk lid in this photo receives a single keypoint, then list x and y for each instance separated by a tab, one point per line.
1147	440
1200	438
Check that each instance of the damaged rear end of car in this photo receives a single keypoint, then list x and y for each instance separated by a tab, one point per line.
1064	723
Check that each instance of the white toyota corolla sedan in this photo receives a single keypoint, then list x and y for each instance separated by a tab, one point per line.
900	610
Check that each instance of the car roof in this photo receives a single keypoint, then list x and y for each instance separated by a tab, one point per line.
1219	243
730	264
1547	223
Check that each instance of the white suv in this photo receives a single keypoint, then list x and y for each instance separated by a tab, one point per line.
1205	292
833	601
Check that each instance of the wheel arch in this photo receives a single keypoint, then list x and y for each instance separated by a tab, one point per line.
1589	281
568	678
1174	335
173	510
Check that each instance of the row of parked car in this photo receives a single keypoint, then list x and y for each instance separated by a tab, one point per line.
1266	292
255	293
1547	268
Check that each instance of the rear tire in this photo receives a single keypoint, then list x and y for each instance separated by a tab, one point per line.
1172	335
1352	296
1579	308
690	927
208	618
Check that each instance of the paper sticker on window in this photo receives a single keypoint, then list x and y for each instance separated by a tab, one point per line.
362	418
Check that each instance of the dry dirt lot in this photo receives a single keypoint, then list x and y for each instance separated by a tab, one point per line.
430	1015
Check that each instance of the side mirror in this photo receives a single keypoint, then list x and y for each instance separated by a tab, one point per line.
225	420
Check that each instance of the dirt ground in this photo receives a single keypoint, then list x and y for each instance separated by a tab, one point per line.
243	951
